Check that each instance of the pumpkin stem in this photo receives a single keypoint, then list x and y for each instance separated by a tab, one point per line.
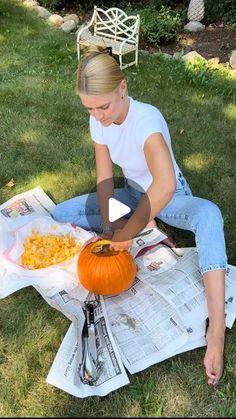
102	247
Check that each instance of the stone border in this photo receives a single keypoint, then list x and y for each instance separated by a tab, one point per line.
194	57
67	23
70	23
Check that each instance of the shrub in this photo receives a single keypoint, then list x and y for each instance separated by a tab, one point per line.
159	26
51	4
216	11
87	5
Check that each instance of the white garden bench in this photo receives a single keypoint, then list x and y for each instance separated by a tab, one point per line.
111	28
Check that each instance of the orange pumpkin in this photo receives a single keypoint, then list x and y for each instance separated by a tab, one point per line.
104	271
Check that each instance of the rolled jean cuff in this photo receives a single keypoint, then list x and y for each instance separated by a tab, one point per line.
215	267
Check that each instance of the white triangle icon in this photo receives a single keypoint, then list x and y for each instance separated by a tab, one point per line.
116	209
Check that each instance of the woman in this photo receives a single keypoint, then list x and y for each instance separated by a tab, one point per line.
135	136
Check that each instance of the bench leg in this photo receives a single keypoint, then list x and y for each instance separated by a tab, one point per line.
120	60
136	57
78	51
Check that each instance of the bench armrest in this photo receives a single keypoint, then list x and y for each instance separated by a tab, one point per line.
130	37
86	26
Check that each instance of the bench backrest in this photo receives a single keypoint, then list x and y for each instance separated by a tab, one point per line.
114	23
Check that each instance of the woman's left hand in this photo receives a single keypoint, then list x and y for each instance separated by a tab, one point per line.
117	243
91	240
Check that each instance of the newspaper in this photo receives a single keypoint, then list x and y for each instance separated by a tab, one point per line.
68	366
162	314
179	280
145	326
147	239
18	216
21	208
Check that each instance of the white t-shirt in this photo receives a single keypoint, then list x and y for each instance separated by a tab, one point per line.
126	141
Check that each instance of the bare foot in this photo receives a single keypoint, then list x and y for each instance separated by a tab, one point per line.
214	357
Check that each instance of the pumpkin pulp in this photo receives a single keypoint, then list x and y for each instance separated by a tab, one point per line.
102	248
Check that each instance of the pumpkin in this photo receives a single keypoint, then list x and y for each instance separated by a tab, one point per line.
105	271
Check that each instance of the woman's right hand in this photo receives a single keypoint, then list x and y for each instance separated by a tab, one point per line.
118	244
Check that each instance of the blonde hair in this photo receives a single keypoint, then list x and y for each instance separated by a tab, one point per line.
98	73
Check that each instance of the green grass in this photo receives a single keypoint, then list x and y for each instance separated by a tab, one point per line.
44	140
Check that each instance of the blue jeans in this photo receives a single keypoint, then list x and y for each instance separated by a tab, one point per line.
184	211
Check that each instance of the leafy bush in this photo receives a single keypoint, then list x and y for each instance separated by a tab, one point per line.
218	10
86	5
161	20
215	10
51	4
159	26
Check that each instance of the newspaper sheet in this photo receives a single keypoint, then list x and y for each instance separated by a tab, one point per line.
69	368
21	208
146	239
55	277
230	296
179	280
163	313
145	326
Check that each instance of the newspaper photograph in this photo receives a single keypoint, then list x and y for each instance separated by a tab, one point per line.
22	207
148	237
156	260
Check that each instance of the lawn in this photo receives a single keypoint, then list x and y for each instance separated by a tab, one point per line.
44	140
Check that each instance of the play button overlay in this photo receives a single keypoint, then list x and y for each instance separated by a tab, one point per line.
118	200
116	209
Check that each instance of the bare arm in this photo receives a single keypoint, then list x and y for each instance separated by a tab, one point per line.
158	194
105	184
161	167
